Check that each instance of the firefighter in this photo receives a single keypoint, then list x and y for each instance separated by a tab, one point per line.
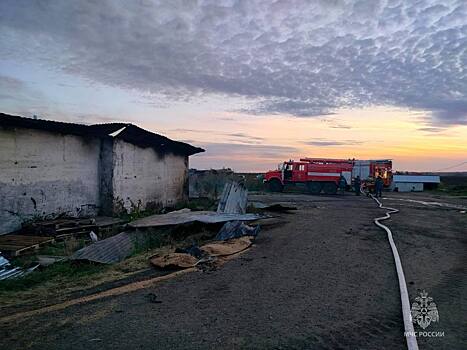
357	184
379	186
342	184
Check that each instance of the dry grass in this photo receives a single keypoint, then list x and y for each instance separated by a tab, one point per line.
58	282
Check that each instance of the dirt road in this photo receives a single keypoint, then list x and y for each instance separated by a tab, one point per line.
322	278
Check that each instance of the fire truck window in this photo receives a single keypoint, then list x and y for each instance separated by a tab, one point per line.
289	167
301	167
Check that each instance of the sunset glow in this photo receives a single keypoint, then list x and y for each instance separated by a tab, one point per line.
253	83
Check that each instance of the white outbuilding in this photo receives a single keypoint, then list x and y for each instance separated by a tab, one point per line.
414	183
50	169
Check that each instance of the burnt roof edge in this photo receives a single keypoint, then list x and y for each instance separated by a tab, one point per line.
132	133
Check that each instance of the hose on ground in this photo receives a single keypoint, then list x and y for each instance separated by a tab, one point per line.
408	325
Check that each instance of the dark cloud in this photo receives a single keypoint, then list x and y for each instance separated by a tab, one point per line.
330	143
238	137
18	97
14	89
241	135
293	57
241	157
431	129
190	130
236	150
340	126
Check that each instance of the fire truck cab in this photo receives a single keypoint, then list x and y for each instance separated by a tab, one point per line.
318	174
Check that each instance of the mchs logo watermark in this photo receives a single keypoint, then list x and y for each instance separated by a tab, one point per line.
424	312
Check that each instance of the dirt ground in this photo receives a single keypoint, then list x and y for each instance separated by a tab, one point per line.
321	277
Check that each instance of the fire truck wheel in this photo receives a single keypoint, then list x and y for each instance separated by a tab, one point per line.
314	187
330	188
275	186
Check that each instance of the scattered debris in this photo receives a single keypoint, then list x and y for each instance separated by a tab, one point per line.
14	245
186	216
107	251
235	229
235	236
153	298
192	250
277	207
62	228
8	271
46	260
215	254
229	247
234	199
174	260
105	224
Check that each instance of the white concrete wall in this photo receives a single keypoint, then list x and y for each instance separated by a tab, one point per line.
408	186
140	174
44	173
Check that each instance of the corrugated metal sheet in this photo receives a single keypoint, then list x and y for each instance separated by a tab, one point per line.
8	271
185	216
107	251
417	178
234	199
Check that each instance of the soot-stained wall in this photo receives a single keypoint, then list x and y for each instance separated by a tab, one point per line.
45	174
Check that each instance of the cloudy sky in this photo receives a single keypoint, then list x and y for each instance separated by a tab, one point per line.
254	82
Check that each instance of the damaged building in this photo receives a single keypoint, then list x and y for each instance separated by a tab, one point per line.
50	169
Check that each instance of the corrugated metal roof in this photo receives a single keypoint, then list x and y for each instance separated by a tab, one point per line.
108	251
184	216
8	271
417	178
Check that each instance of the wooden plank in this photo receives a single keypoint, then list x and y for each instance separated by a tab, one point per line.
25	238
72	234
15	245
104	221
6	246
14	250
76	228
73	224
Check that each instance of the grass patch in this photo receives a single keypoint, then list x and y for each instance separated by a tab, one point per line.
180	235
452	186
59	272
59	281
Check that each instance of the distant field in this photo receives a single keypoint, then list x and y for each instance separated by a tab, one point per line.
453	185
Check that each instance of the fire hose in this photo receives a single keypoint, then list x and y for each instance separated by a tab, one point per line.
408	325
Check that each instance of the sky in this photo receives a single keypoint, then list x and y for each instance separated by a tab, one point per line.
253	82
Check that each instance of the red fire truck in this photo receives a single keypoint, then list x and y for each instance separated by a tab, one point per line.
323	174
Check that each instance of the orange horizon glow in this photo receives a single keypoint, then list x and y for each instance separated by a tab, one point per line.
371	133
